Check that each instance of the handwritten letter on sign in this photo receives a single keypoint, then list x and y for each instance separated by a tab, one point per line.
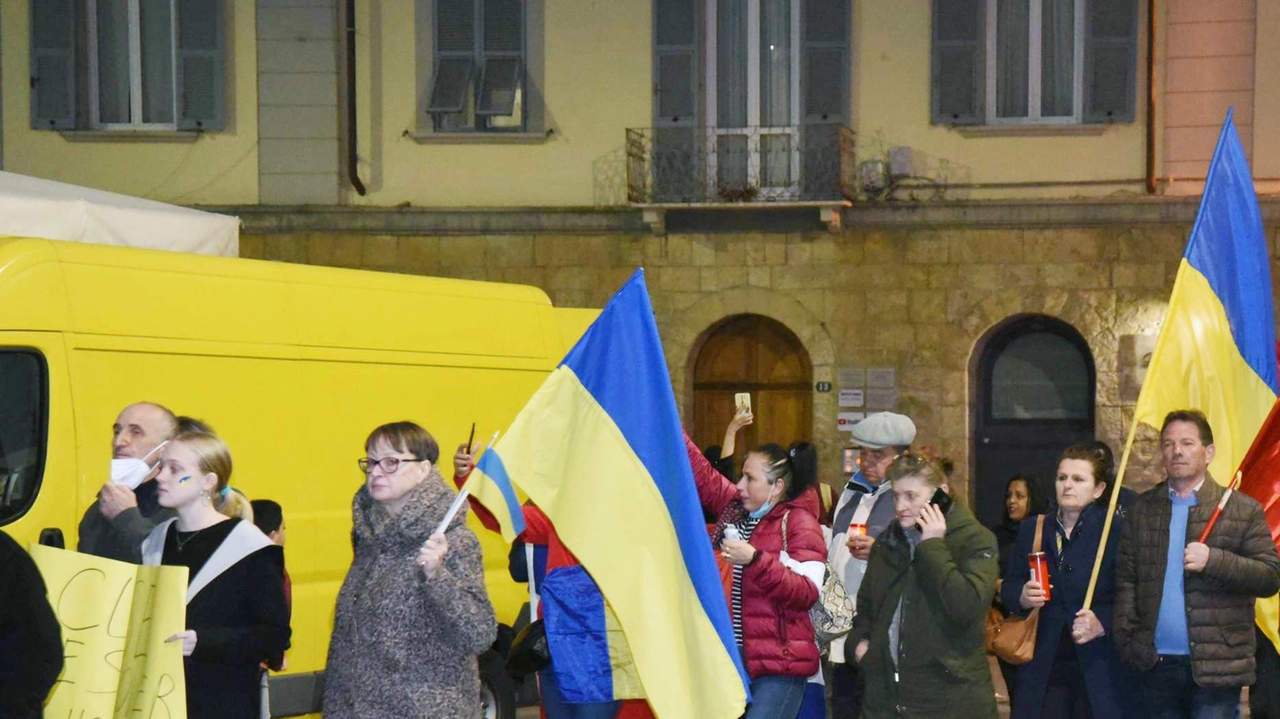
115	617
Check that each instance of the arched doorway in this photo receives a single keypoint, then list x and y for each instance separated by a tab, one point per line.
752	353
1034	395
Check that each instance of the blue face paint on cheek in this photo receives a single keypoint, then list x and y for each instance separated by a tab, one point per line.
180	481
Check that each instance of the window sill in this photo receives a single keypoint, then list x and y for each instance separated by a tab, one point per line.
1091	130
130	135
479	138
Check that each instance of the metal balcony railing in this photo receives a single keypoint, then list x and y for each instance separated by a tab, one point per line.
709	165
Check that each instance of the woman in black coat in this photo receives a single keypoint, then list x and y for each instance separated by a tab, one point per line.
236	612
1075	672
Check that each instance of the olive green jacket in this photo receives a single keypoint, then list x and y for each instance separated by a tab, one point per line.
945	588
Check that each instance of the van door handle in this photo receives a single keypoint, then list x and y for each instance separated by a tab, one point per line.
52	537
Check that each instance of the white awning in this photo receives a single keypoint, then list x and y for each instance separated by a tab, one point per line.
32	207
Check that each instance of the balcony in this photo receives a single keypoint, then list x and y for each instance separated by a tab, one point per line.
806	166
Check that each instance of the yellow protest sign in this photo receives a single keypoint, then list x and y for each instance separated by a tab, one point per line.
115	618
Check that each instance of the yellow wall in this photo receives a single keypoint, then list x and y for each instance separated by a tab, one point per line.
1266	87
891	44
218	168
597	84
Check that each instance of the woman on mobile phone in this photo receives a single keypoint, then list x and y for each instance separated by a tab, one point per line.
1075	672
922	606
767	528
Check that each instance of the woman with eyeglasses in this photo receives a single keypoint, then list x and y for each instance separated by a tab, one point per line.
413	614
922	606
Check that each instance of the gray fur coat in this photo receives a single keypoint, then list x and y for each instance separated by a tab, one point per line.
404	645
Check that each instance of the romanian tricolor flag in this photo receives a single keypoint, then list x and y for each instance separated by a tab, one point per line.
1216	351
600	451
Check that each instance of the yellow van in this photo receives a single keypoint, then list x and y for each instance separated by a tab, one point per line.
292	365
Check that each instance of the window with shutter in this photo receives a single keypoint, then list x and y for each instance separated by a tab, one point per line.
675	142
147	64
479	73
53	64
1044	62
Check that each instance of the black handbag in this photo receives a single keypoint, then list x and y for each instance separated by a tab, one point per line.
529	653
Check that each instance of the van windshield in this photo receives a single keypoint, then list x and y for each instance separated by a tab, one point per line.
24	417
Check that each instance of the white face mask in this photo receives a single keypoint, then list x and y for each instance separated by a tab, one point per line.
131	471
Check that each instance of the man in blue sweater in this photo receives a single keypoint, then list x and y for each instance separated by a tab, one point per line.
1184	608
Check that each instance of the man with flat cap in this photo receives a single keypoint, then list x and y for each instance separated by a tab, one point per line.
867	500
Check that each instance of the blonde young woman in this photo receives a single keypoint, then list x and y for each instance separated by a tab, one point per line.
236	613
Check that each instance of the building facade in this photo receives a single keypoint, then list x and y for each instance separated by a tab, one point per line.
970	211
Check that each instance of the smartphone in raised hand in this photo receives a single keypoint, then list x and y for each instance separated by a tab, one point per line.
742	402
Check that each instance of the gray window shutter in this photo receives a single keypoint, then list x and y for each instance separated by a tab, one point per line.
958	62
824	78
675	159
1110	60
200	74
53	64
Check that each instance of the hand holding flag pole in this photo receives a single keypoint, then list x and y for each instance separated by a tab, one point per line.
1217	511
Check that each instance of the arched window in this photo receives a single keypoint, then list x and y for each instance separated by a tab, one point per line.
1034	394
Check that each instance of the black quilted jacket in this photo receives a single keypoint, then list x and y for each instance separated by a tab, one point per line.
1220	600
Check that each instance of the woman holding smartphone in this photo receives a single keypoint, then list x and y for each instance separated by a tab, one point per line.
922	606
767	529
1075	672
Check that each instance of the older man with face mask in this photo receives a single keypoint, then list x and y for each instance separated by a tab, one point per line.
127	508
867	500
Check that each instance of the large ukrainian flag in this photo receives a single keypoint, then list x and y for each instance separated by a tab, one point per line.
1216	351
600	450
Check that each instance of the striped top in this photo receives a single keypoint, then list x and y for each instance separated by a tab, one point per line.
745	528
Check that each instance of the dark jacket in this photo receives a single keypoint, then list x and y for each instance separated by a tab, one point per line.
778	638
404	645
239	616
1220	600
30	636
1106	680
945	590
121	538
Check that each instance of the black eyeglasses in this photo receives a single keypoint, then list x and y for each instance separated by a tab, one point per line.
388	464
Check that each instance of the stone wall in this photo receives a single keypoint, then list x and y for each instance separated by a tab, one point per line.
917	299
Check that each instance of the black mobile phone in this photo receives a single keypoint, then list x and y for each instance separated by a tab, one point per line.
942	499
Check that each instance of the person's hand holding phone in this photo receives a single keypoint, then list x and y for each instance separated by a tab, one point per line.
463	462
932	522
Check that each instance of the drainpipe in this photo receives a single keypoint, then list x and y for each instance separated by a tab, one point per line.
353	164
1151	97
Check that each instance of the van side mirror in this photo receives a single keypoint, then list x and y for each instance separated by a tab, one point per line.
52	537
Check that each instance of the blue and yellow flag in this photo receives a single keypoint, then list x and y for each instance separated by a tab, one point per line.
600	450
492	487
1216	351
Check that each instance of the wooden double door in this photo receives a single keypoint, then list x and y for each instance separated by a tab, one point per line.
758	355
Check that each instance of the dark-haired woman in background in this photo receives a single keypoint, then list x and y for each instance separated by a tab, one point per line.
1075	672
768	530
1022	498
